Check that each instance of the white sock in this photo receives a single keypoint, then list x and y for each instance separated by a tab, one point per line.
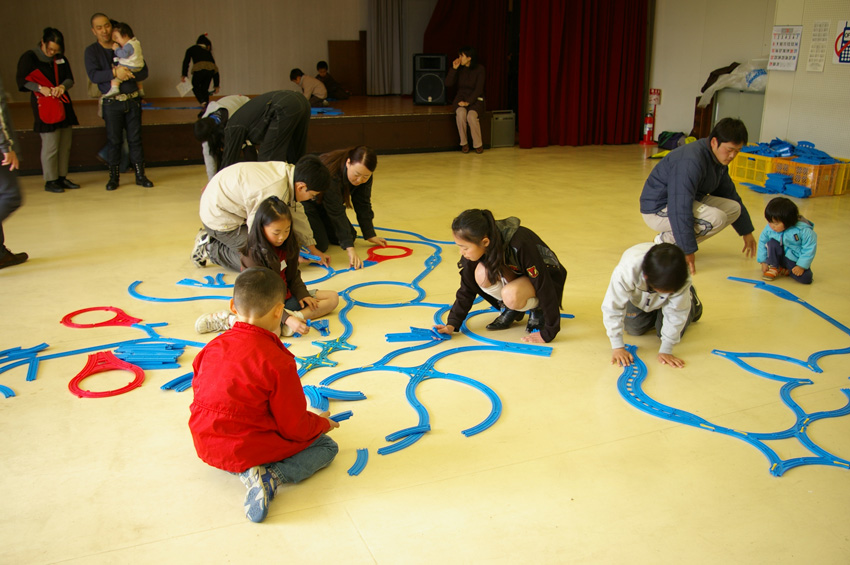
530	304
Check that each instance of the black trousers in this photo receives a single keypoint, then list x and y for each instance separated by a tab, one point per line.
121	116
10	199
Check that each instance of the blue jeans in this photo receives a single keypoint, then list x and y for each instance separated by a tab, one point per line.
305	463
123	116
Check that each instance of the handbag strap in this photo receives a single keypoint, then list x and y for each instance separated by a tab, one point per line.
64	97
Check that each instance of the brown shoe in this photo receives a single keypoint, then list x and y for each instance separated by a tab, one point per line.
479	150
465	148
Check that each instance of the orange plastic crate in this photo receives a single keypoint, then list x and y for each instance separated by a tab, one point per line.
751	168
819	178
842	178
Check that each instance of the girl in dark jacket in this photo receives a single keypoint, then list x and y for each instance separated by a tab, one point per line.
512	269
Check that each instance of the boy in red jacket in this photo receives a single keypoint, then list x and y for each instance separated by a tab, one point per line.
250	416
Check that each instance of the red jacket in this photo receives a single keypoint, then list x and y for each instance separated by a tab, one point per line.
249	407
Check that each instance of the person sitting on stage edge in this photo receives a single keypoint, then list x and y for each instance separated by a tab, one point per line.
335	90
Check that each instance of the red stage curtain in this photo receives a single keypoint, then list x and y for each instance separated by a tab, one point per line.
581	71
481	24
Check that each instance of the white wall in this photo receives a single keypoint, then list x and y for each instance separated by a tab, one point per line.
811	106
692	38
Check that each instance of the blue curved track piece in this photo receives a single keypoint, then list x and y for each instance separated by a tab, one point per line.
631	381
6	391
360	462
132	289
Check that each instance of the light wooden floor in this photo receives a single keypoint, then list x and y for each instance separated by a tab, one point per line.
570	473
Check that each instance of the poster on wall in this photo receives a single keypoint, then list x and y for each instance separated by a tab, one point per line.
785	48
819	47
841	53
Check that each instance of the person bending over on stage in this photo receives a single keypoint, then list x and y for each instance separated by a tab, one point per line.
511	268
276	121
350	187
312	89
209	132
230	201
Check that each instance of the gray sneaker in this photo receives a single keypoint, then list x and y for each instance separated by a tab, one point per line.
216	322
201	253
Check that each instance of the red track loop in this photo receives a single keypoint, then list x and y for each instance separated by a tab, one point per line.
372	253
98	363
121	318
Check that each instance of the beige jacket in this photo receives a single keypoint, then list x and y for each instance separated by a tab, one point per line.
233	195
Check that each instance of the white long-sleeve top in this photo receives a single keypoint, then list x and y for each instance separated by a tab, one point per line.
629	285
233	195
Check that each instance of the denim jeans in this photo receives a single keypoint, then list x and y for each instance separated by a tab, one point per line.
305	463
123	116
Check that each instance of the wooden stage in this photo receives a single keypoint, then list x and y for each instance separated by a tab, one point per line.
389	124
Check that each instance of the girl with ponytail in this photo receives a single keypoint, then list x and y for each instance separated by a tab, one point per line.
512	269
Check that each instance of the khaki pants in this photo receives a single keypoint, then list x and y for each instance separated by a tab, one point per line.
710	217
465	117
55	153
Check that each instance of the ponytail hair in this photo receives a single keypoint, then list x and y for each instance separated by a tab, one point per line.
473	226
258	248
335	162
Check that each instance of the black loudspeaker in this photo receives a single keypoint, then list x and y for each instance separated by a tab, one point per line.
429	72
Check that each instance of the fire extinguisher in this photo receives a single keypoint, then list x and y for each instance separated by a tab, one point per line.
648	127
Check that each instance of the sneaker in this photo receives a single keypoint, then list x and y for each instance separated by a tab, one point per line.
696	305
772	273
261	486
8	259
201	252
216	322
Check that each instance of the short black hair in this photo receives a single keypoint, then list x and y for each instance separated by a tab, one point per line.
781	209
256	291
124	30
100	15
665	268
322	65
729	130
311	171
295	73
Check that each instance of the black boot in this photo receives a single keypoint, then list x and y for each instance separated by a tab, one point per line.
505	319
53	186
65	183
114	175
535	320
141	179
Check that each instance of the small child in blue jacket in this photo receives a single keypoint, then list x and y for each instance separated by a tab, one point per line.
788	242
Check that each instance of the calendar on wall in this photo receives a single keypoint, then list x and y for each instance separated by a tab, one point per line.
785	48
